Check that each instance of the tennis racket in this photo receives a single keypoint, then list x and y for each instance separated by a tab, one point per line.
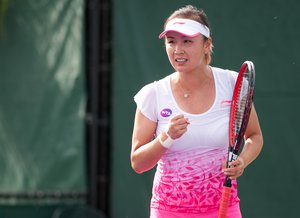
239	117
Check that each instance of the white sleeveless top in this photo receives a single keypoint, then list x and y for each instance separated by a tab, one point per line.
188	176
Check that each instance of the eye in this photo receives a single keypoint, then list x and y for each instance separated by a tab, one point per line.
187	41
170	41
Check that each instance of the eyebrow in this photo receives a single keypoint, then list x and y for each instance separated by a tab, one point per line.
182	37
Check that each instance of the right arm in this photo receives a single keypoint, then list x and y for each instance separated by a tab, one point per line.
146	152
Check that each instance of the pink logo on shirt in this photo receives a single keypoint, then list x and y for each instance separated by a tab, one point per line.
225	103
166	112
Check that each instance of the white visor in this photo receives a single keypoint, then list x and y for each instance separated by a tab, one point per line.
186	27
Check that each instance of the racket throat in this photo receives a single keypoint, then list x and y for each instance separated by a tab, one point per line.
231	156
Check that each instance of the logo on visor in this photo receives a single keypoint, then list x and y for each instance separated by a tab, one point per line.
166	112
178	23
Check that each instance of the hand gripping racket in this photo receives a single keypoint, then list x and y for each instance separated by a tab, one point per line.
239	116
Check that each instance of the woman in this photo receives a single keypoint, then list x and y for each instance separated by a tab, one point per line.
187	113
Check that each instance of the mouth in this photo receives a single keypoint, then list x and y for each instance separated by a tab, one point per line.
181	60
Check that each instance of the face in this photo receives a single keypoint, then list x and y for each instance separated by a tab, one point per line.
186	54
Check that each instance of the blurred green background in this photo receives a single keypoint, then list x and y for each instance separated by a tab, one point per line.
42	104
43	98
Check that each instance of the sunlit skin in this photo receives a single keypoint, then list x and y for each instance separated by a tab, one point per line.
186	54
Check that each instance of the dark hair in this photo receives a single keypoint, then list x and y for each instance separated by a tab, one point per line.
192	13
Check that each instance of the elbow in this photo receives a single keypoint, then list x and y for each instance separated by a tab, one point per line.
256	139
261	140
139	169
136	167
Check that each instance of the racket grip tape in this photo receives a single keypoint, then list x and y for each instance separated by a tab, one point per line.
224	202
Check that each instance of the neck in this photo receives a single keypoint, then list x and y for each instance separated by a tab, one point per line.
195	79
189	84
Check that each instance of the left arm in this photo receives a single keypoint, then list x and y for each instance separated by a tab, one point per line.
251	149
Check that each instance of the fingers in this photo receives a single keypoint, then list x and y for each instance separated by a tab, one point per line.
177	126
235	169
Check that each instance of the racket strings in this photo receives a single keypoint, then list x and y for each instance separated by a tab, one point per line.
240	104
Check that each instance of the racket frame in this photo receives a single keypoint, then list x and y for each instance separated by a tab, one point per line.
236	141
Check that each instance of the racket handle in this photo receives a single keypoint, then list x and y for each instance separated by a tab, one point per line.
224	202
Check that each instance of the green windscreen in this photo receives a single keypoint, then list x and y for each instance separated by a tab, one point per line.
42	98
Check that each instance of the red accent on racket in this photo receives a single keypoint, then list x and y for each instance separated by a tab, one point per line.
239	117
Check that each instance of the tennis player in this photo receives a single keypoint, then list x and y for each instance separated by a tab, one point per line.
187	113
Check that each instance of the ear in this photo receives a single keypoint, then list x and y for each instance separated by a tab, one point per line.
208	45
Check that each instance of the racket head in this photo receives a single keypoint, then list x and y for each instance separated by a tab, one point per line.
241	105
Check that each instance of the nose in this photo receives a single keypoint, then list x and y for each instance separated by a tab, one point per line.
178	50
